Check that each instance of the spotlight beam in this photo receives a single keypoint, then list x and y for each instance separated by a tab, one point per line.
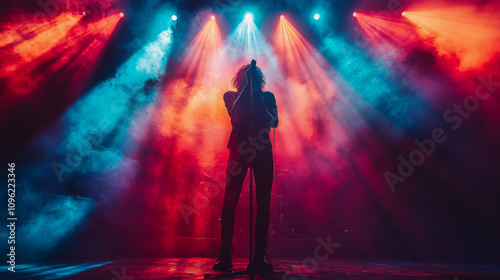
464	31
201	49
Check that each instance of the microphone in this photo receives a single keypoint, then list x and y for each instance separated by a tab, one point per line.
253	66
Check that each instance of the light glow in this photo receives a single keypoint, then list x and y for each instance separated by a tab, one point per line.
249	17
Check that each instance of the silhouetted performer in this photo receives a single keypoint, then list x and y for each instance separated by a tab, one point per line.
245	150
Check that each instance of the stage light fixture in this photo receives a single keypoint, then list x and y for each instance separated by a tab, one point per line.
174	17
354	14
403	13
122	15
249	17
282	17
212	17
316	16
84	13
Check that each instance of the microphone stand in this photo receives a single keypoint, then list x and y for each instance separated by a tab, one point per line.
251	271
251	267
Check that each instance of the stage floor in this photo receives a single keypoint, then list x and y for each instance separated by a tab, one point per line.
195	268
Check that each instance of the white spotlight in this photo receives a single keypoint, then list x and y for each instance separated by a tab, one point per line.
249	17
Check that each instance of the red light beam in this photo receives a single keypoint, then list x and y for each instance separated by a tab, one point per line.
386	32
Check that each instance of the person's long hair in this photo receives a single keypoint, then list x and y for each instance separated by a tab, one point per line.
240	77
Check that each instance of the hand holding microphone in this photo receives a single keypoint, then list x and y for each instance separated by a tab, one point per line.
252	71
254	85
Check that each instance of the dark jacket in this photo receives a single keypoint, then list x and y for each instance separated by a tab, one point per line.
241	121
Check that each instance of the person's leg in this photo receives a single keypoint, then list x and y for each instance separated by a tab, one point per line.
264	181
235	175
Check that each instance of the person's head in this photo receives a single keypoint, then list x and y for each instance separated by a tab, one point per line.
240	79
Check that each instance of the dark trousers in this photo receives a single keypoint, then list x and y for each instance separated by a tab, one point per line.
235	175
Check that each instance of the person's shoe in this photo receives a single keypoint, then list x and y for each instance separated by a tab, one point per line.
262	263
223	262
223	265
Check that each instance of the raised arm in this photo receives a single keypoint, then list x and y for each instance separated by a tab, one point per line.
241	107
272	111
229	99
